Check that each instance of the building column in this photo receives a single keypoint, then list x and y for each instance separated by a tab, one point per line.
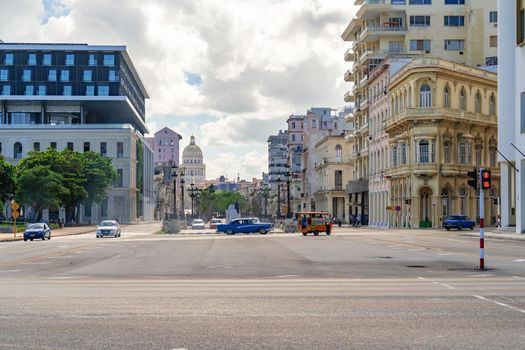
505	194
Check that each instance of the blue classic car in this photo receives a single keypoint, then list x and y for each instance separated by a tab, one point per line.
244	225
39	230
459	222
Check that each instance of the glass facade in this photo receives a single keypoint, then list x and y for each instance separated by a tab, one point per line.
46	72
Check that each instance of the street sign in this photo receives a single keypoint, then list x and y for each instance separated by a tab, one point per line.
14	207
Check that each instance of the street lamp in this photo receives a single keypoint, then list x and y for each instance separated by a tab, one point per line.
193	192
279	180
181	181
174	174
288	179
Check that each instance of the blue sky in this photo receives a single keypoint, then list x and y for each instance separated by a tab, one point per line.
229	72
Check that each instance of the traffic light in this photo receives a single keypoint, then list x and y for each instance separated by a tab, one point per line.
485	179
474	176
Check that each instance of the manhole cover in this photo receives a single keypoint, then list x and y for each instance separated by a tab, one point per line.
416	266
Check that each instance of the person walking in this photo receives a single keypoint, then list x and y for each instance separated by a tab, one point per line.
358	219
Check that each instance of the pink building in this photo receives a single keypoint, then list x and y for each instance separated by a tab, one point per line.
165	145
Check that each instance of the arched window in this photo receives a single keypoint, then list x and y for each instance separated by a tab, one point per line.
17	150
338	153
492	157
425	96
492	105
477	104
446	98
423	151
403	153
463	201
478	155
446	149
469	153
462	100
410	96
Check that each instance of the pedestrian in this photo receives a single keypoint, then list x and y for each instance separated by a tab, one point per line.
358	220
304	222
498	220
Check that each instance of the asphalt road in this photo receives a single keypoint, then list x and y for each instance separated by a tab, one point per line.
359	289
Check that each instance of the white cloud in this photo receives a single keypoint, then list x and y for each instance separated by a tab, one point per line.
259	61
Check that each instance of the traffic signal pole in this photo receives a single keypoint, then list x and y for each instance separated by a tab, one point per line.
481	222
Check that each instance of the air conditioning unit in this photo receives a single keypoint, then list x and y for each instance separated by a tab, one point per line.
461	52
495	25
428	51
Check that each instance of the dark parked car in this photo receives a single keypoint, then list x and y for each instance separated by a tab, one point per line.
458	221
244	225
40	230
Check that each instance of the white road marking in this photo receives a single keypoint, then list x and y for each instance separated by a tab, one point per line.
518	277
444	285
498	303
9	270
60	257
519	260
62	246
444	254
284	276
483	275
66	277
36	263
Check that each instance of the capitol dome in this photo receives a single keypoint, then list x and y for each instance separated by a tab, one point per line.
192	150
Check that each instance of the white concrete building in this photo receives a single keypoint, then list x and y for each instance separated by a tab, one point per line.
511	112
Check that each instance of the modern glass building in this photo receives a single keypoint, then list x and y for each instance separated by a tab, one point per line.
85	98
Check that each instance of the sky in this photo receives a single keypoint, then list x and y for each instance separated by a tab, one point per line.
229	72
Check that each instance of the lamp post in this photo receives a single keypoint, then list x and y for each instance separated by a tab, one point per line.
192	191
182	214
279	180
265	194
288	179
174	175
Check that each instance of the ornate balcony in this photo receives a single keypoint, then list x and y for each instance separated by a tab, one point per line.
349	76
349	55
349	97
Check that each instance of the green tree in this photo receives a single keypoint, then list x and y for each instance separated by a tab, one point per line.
100	176
7	180
41	188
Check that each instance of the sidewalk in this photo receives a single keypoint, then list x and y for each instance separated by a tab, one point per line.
66	231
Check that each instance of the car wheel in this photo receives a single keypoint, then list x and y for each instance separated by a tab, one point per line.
460	228
471	228
25	239
316	233
305	233
229	232
31	239
447	228
262	231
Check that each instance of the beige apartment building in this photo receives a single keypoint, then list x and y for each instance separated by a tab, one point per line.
442	124
463	31
332	173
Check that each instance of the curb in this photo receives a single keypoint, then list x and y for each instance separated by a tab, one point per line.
21	238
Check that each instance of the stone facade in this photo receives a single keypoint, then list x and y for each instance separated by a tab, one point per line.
442	123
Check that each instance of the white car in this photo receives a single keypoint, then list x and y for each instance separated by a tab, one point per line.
108	228
197	224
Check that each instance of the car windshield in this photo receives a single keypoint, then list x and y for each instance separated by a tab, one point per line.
35	226
215	221
197	221
107	224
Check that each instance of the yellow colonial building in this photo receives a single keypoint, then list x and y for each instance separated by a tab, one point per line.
442	123
332	172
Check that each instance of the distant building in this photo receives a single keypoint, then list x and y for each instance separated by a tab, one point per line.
165	146
193	163
277	157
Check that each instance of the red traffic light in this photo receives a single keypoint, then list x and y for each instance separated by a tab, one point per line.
486	179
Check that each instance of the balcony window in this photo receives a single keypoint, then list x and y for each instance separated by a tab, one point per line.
425	96
492	105
338	153
6	90
70	59
462	155
90	90
454	45
88	75
394	156
454	2
462	100
120	149
30	90
399	2
446	151
52	75
70	146
53	145
41	90
4	75
403	153
103	148
120	176
424	151
46	59
36	146
103	90
454	21
109	60
420	2
92	60
86	146
64	75
478	155
26	75
420	45
419	21
492	156
8	59
493	41
395	46
67	90
477	103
